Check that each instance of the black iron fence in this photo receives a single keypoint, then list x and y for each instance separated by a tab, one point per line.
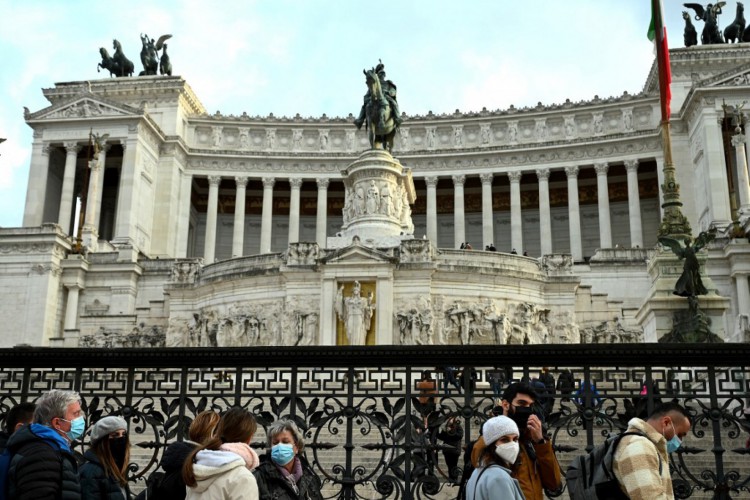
374	423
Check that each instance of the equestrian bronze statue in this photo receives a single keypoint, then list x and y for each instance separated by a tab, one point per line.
380	112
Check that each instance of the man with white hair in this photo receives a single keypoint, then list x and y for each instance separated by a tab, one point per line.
43	466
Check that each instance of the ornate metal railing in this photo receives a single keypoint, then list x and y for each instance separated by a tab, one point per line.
369	435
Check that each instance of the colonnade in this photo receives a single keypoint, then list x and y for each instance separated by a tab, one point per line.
459	217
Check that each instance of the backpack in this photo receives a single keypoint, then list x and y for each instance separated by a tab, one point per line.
592	476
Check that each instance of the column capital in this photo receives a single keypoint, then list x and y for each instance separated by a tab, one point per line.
268	182
458	180
601	168
542	174
431	181
214	180
46	149
738	140
296	182
631	165
72	148
515	176
94	164
241	181
571	171
486	178
323	182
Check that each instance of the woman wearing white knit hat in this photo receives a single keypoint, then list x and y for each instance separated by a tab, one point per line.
491	480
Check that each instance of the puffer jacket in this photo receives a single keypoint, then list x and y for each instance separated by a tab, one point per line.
172	486
222	475
42	467
273	486
95	484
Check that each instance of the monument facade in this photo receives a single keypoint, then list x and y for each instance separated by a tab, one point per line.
225	230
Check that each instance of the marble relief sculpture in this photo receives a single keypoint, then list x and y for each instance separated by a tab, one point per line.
415	323
141	336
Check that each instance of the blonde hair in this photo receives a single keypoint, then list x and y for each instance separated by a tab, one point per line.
203	426
237	425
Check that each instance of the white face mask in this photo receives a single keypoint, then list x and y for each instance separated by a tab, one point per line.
508	451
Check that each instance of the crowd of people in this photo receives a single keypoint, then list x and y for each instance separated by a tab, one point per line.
512	458
215	463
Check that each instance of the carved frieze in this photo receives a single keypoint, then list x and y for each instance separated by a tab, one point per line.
140	336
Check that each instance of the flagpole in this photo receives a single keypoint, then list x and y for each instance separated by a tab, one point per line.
674	224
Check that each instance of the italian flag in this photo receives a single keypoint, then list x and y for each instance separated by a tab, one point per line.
657	33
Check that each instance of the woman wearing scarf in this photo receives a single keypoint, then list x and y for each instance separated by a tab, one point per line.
220	468
283	474
104	472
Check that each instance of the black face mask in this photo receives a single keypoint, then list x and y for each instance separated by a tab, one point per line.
119	447
520	415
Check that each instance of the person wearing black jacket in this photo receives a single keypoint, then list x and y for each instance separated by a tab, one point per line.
104	473
43	466
284	474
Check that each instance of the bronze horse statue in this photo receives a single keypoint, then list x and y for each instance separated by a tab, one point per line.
117	65
380	123
736	30
690	35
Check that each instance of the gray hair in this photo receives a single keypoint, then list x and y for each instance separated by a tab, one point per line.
54	404
286	425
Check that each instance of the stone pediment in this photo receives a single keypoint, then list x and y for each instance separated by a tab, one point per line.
82	106
356	254
738	76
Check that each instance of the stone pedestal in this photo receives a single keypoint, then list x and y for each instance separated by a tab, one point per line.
379	192
657	313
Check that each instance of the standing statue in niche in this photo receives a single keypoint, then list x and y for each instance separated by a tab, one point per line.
373	199
356	313
380	112
711	33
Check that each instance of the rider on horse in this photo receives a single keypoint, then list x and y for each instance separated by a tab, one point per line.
389	90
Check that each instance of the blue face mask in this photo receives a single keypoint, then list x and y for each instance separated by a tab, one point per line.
282	453
77	427
674	443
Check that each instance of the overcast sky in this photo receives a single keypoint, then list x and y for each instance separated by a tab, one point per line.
302	56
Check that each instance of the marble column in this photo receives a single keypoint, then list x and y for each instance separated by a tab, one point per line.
516	220
92	197
71	308
574	212
743	293
321	218
183	218
545	217
432	233
634	204
99	186
296	185
69	177
267	215
743	184
459	228
127	196
602	194
209	249
36	191
488	232
238	234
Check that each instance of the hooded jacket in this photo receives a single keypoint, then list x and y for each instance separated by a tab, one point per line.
222	475
42	467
